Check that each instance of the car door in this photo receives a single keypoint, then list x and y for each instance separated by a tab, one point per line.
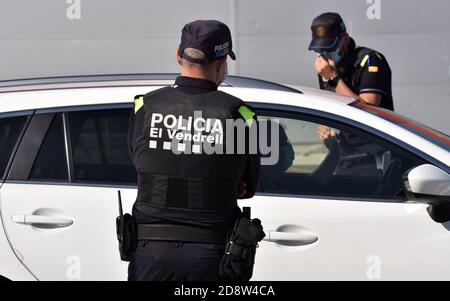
59	202
344	221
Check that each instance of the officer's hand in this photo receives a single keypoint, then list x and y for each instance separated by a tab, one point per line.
327	69
324	132
242	189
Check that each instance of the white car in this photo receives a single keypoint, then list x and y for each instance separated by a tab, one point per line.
63	157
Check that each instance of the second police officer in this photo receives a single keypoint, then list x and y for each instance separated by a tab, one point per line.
349	69
358	72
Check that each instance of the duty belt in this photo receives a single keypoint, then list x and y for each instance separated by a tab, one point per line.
183	233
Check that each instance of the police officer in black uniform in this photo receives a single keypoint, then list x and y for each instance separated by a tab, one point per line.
187	194
349	69
355	71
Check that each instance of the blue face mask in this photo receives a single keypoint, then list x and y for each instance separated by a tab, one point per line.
225	74
335	56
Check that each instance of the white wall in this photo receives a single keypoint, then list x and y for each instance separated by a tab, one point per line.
271	38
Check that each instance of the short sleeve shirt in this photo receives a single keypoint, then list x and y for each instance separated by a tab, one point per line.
368	71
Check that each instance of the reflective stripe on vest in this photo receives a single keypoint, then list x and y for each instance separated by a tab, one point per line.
138	103
367	57
364	60
247	114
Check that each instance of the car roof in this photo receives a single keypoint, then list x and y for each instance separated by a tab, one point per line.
36	93
123	80
323	93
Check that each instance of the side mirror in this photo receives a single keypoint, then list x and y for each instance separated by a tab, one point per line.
431	185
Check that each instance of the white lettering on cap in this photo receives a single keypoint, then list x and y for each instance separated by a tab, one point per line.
221	47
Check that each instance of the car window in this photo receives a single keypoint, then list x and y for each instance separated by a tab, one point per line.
99	146
346	164
51	161
10	129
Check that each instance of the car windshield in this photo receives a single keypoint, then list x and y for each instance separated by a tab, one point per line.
424	131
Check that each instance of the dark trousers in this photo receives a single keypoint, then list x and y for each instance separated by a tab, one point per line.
175	261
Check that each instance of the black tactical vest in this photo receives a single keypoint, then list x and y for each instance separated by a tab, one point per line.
174	172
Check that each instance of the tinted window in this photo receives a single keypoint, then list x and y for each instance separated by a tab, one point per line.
51	162
346	164
99	146
10	129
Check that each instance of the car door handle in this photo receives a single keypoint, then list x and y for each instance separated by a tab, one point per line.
294	237
41	220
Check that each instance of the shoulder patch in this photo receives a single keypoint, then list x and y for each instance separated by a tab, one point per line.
247	114
373	69
138	102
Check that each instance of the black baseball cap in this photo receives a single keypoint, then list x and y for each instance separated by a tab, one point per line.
326	31
212	37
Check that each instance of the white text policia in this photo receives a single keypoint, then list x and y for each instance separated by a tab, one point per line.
179	128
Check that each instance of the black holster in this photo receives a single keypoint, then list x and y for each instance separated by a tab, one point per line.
240	251
126	233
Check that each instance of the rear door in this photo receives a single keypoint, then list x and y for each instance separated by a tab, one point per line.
60	199
351	222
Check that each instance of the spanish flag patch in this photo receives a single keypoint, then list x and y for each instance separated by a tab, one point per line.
373	69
